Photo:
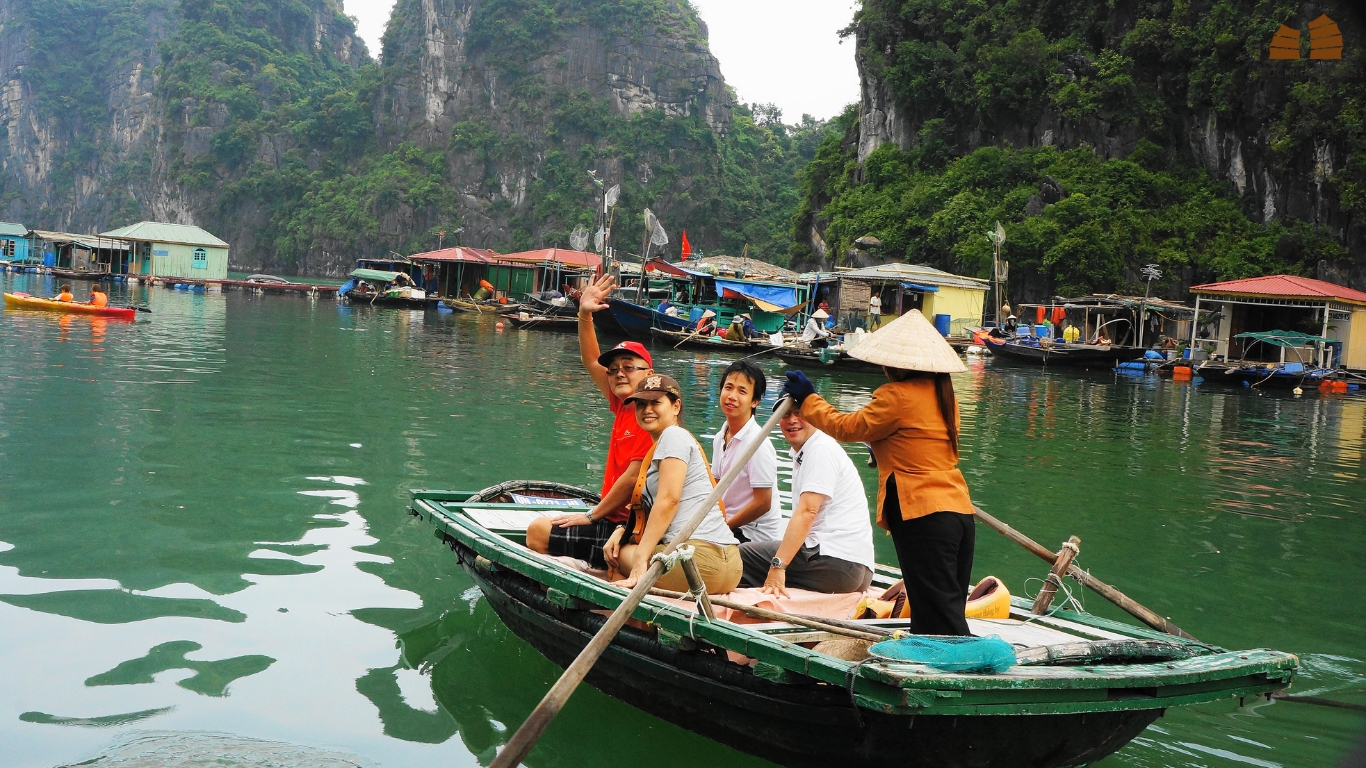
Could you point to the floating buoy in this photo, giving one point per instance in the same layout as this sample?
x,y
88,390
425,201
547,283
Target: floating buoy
x,y
1297,391
499,326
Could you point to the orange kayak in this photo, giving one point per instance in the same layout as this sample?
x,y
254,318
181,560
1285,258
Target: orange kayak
x,y
34,302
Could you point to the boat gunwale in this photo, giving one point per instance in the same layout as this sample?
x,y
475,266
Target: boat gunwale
x,y
899,686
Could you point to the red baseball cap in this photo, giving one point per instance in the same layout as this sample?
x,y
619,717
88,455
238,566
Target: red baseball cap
x,y
625,348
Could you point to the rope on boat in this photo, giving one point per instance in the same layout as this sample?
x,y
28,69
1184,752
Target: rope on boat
x,y
1070,599
850,677
684,552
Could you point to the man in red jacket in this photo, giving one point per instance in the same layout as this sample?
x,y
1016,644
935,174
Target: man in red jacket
x,y
616,372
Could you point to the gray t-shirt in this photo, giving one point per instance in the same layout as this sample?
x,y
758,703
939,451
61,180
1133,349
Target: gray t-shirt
x,y
677,443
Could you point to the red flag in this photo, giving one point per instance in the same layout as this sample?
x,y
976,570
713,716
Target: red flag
x,y
687,249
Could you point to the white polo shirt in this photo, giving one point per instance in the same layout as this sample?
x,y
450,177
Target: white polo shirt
x,y
760,472
843,527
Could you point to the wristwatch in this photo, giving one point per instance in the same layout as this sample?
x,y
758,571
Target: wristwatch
x,y
777,563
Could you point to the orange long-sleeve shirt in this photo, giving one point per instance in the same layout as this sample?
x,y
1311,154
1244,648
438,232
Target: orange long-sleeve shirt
x,y
908,436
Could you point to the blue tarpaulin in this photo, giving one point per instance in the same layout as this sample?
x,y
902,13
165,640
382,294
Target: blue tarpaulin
x,y
779,297
925,288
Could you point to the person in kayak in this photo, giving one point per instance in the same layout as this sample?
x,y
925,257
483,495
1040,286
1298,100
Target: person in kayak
x,y
751,504
65,294
98,298
922,499
673,484
616,373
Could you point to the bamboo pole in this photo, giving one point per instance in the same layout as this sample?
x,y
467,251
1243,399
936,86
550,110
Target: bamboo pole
x,y
833,626
540,718
1106,591
1070,549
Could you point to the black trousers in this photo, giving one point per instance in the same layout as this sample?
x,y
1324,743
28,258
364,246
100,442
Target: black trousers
x,y
935,554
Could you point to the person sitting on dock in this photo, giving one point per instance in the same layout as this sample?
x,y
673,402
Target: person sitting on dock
x,y
828,545
815,327
98,298
912,426
65,294
752,510
674,483
616,373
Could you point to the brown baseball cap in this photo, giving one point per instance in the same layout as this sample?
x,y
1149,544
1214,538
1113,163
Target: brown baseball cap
x,y
654,387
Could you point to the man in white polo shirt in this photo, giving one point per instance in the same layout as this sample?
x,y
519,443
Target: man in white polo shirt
x,y
828,545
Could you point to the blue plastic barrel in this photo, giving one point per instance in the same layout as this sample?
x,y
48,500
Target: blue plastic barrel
x,y
942,323
1042,332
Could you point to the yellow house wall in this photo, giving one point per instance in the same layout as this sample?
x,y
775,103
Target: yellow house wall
x,y
175,260
962,305
1354,356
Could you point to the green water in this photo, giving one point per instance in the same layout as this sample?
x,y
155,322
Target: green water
x,y
202,532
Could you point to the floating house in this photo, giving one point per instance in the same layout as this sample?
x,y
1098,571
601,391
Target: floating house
x,y
456,272
692,292
70,252
952,301
13,242
172,250
1333,317
1126,320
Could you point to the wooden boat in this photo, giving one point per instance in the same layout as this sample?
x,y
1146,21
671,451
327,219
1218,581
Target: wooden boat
x,y
1061,353
541,322
538,306
687,340
812,359
26,301
480,307
638,321
1253,374
381,300
760,689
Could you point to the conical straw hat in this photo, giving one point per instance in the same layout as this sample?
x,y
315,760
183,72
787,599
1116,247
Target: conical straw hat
x,y
911,343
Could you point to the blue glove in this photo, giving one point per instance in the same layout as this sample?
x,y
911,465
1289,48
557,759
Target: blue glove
x,y
798,387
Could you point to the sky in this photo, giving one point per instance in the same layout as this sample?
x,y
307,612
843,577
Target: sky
x,y
785,52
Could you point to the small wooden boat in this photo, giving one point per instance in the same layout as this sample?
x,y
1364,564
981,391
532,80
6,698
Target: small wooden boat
x,y
539,306
812,359
762,689
25,301
1061,353
689,340
481,307
542,322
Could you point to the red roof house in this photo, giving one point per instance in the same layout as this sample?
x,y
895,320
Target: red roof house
x,y
1284,286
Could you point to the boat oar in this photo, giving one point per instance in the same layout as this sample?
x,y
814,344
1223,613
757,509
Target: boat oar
x,y
1149,617
540,718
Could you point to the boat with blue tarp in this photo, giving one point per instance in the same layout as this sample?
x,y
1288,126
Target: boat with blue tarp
x,y
677,298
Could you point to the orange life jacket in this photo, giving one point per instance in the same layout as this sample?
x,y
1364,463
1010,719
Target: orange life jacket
x,y
65,296
98,299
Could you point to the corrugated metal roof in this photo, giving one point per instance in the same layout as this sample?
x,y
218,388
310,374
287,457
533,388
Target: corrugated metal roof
x,y
11,229
475,255
85,241
915,273
1284,286
160,232
562,255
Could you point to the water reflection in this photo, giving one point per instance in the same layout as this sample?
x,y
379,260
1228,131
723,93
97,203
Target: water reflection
x,y
212,498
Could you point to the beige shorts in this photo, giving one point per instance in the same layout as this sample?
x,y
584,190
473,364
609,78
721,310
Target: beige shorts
x,y
721,568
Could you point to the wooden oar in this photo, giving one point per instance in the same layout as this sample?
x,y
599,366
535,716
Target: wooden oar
x,y
1106,591
525,738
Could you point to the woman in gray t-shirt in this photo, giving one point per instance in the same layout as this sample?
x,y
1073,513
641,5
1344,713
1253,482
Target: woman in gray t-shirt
x,y
677,481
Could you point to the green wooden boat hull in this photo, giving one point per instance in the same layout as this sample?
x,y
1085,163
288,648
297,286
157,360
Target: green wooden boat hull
x,y
798,707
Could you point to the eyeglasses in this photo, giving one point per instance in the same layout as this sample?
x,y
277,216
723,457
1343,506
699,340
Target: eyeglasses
x,y
626,369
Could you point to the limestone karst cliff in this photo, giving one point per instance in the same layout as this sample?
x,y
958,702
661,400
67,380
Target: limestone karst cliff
x,y
1198,151
267,122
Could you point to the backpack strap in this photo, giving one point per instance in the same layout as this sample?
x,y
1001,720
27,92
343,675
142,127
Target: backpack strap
x,y
635,525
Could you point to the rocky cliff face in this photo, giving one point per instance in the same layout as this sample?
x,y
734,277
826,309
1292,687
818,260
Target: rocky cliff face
x,y
1286,137
460,71
92,137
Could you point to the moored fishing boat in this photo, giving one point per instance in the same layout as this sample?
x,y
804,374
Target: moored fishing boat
x,y
25,301
1061,353
541,322
824,359
1082,687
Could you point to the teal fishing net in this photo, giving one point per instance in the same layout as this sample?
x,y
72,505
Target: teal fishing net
x,y
988,655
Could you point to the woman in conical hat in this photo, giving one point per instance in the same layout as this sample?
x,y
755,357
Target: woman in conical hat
x,y
912,427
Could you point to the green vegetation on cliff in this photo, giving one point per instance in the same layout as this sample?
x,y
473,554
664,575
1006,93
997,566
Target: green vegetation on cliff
x,y
977,82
